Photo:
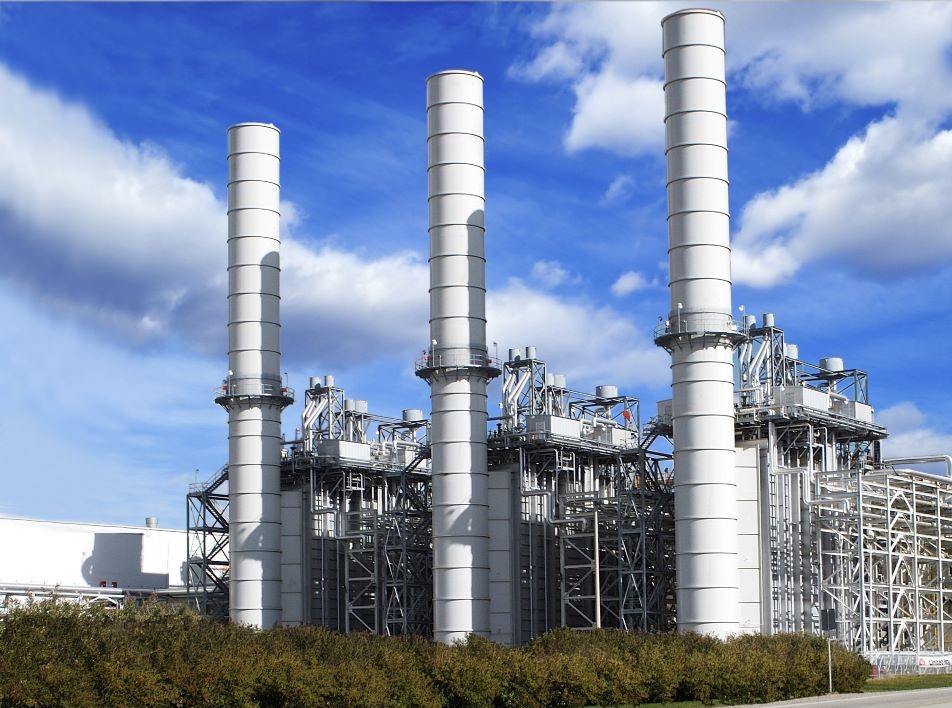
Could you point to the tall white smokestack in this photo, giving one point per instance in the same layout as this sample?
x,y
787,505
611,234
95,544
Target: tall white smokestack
x,y
457,365
701,333
252,393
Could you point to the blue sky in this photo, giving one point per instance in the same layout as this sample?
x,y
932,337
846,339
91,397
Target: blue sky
x,y
112,172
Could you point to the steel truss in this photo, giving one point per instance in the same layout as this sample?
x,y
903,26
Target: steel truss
x,y
371,567
887,560
616,550
595,532
207,526
370,553
846,534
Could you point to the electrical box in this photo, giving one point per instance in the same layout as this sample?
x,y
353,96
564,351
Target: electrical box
x,y
343,450
545,425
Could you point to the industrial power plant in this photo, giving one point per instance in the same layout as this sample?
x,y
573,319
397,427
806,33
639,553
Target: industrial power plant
x,y
755,500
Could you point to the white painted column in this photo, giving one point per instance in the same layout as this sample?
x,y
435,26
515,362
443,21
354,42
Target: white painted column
x,y
701,333
253,393
458,369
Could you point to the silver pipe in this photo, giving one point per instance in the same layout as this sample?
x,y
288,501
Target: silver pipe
x,y
253,393
703,334
925,459
457,365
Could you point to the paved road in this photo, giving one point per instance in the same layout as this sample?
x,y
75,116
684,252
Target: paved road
x,y
921,698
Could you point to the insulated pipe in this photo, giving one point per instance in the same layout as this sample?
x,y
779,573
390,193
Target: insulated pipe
x,y
457,366
944,459
700,334
252,394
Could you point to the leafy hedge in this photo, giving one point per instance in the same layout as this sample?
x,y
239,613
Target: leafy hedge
x,y
57,654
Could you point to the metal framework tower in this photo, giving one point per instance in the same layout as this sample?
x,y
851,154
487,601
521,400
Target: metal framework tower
x,y
208,558
368,519
590,519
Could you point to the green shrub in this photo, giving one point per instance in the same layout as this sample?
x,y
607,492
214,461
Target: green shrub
x,y
57,654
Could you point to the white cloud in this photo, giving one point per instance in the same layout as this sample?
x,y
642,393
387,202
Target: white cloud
x,y
863,54
602,100
628,282
591,344
619,190
902,417
886,184
551,274
115,234
910,433
97,224
885,187
339,304
139,248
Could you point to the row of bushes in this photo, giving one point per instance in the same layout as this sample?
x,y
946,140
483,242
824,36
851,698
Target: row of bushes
x,y
56,654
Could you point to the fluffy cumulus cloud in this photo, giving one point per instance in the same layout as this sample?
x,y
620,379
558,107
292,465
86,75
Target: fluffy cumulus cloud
x,y
609,55
885,184
115,235
776,49
551,274
344,305
591,344
96,225
910,433
880,205
628,282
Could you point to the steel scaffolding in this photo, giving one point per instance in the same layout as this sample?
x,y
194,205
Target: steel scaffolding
x,y
846,533
595,527
886,556
369,542
207,526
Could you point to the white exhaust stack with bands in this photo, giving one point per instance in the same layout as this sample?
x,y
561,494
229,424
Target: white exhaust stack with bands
x,y
253,394
457,365
700,332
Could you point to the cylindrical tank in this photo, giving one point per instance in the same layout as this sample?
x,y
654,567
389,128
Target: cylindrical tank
x,y
411,415
701,357
328,381
530,352
360,406
606,391
151,522
832,363
515,354
349,404
559,380
255,400
769,320
314,382
458,324
750,321
791,351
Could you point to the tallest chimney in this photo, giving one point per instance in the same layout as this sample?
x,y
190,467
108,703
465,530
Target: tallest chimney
x,y
252,393
700,333
457,365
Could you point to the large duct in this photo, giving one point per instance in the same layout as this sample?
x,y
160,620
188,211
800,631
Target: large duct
x,y
457,365
252,394
700,332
